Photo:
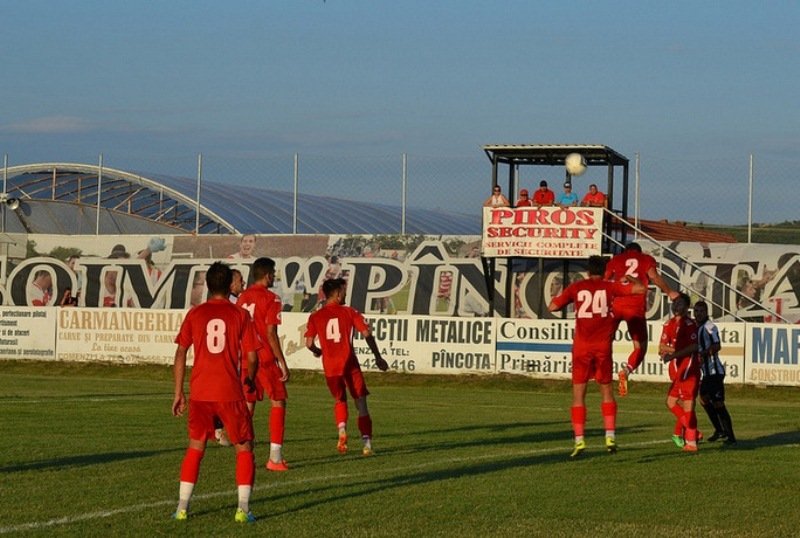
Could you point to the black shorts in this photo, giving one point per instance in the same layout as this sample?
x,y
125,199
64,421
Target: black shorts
x,y
712,388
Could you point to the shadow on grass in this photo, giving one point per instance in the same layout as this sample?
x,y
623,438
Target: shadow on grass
x,y
85,460
342,491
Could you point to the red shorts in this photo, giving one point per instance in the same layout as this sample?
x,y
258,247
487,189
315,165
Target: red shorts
x,y
636,322
592,364
234,416
685,389
352,380
268,380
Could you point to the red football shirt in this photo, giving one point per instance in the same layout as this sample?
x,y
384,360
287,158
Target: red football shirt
x,y
333,324
544,197
221,334
679,333
265,308
594,320
635,264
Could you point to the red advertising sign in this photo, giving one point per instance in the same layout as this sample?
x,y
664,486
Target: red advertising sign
x,y
545,232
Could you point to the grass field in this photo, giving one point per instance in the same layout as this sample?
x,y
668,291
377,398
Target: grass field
x,y
92,450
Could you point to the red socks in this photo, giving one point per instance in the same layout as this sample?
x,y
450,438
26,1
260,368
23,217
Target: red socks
x,y
578,419
340,413
245,468
190,468
609,411
365,426
277,424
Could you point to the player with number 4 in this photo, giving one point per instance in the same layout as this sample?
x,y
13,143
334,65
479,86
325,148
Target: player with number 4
x,y
334,324
633,308
591,346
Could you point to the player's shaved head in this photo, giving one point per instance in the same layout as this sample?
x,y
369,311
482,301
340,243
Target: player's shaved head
x,y
634,246
218,278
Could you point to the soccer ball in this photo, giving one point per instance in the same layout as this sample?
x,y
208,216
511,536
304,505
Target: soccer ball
x,y
575,164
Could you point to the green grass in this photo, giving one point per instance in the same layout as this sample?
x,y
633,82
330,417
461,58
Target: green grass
x,y
92,450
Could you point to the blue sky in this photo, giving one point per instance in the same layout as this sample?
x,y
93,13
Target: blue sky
x,y
693,87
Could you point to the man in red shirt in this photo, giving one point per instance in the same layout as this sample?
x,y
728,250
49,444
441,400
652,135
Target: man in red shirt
x,y
334,324
543,196
591,348
678,346
633,308
594,198
265,308
220,333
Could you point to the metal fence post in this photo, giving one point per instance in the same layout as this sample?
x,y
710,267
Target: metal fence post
x,y
750,204
294,198
99,193
197,201
404,195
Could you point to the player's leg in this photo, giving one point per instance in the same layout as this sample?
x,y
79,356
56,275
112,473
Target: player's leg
x,y
276,390
239,425
677,410
722,412
608,408
358,390
578,417
637,329
707,402
201,427
338,390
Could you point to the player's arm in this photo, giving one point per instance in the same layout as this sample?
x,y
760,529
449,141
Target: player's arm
x,y
637,286
179,373
275,345
251,358
312,347
380,362
659,281
678,353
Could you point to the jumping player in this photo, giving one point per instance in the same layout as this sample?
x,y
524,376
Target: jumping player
x,y
591,348
678,347
334,324
633,308
220,333
265,308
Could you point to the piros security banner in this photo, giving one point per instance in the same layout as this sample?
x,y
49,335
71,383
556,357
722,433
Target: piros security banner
x,y
545,232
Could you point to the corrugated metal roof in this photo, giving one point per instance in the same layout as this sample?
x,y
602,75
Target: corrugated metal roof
x,y
62,198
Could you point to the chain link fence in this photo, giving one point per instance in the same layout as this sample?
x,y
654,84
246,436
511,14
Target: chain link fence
x,y
714,192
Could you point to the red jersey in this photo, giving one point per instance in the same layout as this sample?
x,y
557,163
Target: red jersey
x,y
635,264
594,320
265,308
597,199
544,197
221,334
680,332
334,325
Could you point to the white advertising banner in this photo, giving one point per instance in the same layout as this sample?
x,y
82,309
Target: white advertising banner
x,y
772,354
28,333
543,349
544,232
125,335
410,344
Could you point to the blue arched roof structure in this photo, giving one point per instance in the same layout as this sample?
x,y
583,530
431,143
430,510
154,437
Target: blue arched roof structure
x,y
63,198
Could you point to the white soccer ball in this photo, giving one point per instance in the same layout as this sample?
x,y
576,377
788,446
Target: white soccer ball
x,y
575,164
